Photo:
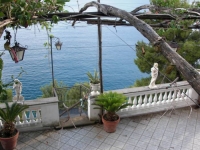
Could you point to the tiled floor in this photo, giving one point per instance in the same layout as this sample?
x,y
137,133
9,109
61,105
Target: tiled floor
x,y
173,131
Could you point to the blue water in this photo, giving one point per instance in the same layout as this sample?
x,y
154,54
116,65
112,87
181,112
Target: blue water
x,y
79,55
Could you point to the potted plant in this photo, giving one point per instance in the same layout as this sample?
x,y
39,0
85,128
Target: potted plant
x,y
94,82
9,134
111,102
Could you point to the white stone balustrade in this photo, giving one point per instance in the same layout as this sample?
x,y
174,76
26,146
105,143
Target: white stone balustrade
x,y
42,113
145,100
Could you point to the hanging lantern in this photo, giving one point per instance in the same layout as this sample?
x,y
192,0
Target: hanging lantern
x,y
17,52
58,45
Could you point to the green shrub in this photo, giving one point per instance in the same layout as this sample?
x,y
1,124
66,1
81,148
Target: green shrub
x,y
67,95
6,96
47,90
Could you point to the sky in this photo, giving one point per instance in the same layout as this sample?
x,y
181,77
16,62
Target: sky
x,y
128,5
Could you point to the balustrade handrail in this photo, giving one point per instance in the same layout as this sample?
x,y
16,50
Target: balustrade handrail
x,y
37,102
147,90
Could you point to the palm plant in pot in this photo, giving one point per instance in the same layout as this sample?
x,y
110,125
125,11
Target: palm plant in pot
x,y
94,82
111,102
9,134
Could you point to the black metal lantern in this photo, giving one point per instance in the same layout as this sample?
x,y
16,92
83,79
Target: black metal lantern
x,y
58,45
17,52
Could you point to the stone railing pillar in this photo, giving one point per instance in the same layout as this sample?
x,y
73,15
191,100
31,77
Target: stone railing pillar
x,y
50,115
93,114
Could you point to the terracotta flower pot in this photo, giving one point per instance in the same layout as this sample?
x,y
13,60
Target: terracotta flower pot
x,y
9,143
110,126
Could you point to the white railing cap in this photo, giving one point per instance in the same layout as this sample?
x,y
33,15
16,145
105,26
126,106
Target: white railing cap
x,y
147,89
40,101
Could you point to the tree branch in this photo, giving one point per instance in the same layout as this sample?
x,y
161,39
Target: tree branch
x,y
140,25
190,73
6,22
142,7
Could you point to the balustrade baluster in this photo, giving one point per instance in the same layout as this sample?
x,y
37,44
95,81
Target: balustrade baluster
x,y
164,97
31,117
155,99
38,116
178,95
140,101
145,100
174,95
134,102
160,98
24,118
169,96
183,94
150,100
17,119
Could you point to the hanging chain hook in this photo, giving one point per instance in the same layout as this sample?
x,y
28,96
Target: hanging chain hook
x,y
15,34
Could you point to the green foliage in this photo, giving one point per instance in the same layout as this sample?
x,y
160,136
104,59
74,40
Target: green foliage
x,y
6,95
24,11
188,46
111,102
142,82
152,54
170,3
47,90
76,91
94,79
11,112
8,115
67,95
71,95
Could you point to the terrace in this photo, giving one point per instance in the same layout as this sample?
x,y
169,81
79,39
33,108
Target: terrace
x,y
159,119
173,131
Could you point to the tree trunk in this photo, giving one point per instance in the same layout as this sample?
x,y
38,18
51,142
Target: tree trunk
x,y
190,73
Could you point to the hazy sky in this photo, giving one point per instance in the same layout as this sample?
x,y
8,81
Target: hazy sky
x,y
127,5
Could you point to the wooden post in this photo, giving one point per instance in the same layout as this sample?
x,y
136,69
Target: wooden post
x,y
100,61
100,52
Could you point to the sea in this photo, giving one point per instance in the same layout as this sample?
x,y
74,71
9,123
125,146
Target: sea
x,y
79,53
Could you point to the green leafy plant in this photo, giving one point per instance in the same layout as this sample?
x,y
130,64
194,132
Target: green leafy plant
x,y
8,115
111,102
94,79
5,91
66,94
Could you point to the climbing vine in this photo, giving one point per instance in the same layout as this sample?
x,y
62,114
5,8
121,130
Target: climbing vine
x,y
26,12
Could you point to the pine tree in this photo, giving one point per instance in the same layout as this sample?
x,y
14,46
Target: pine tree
x,y
188,41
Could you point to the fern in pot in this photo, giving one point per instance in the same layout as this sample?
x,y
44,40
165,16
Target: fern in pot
x,y
94,82
111,102
9,134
